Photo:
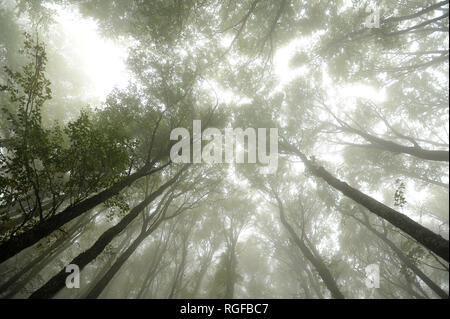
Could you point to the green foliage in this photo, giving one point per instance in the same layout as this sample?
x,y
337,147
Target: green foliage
x,y
414,252
41,168
399,196
186,59
117,205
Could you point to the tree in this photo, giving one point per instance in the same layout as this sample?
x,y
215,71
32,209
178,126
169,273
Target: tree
x,y
361,111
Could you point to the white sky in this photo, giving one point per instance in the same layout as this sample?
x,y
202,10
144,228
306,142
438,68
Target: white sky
x,y
101,60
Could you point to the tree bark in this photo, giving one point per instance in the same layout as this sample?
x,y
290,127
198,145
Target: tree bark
x,y
106,277
421,234
318,264
40,262
393,147
433,286
16,244
57,282
230,272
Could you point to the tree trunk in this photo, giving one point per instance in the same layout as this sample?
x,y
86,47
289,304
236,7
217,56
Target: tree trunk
x,y
230,272
106,277
155,264
57,282
433,286
426,237
379,143
41,261
318,264
16,244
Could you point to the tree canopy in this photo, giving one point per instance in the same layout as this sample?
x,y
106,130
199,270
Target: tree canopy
x,y
360,112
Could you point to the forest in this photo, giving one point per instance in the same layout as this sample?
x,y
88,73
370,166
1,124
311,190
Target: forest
x,y
224,149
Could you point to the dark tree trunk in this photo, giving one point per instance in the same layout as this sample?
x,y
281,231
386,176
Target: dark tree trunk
x,y
106,277
32,236
41,261
426,237
379,143
57,282
433,286
112,271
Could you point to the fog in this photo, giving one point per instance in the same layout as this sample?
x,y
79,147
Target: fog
x,y
251,149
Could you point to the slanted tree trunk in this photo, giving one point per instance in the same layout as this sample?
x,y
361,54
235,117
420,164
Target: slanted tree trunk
x,y
106,277
16,244
41,261
316,261
155,265
57,282
433,286
112,271
120,249
416,151
421,234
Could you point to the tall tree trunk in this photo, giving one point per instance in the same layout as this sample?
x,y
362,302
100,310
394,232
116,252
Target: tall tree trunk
x,y
155,263
41,261
433,286
416,151
179,271
109,261
16,244
426,237
318,264
230,272
202,272
46,254
106,277
57,282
